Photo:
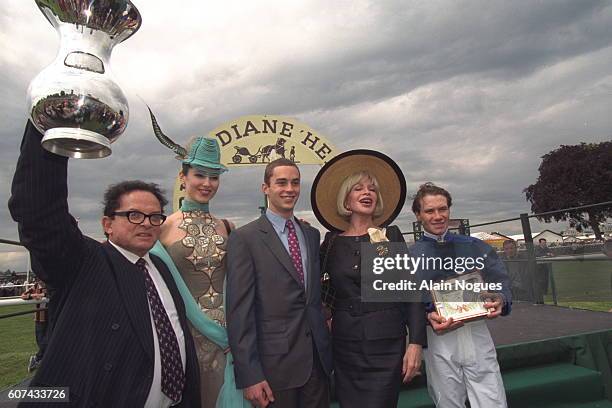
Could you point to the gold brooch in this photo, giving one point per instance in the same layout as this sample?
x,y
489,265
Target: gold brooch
x,y
382,250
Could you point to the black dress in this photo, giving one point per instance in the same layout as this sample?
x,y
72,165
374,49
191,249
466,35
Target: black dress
x,y
369,339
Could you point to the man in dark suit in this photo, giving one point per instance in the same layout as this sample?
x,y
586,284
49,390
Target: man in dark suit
x,y
276,327
120,338
543,270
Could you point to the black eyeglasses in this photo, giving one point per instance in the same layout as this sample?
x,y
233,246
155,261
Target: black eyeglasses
x,y
137,217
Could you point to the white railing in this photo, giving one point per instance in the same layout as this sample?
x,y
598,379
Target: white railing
x,y
16,300
16,286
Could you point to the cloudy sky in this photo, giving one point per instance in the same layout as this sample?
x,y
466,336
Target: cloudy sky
x,y
466,94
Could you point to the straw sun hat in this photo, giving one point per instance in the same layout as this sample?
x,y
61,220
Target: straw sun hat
x,y
324,193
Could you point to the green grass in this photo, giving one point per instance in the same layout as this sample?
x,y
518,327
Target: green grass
x,y
17,343
583,285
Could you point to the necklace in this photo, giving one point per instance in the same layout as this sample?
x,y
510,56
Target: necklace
x,y
188,205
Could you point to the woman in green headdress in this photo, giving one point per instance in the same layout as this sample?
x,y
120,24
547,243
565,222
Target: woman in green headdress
x,y
193,243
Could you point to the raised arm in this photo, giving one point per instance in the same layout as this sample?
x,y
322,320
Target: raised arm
x,y
39,204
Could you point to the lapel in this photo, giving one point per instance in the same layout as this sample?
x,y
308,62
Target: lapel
x,y
171,285
273,242
179,304
309,253
130,283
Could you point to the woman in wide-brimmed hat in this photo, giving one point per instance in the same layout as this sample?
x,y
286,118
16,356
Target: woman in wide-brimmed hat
x,y
193,243
355,196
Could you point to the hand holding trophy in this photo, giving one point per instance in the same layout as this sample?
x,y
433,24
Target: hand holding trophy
x,y
74,101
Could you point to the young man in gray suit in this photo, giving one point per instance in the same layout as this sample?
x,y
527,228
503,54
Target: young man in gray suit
x,y
276,328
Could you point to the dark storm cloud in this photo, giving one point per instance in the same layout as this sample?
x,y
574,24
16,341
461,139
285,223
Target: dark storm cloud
x,y
407,46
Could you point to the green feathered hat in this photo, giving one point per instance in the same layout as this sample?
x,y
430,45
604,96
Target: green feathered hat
x,y
204,152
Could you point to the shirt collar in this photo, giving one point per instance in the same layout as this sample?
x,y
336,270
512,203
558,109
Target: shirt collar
x,y
132,257
438,238
278,222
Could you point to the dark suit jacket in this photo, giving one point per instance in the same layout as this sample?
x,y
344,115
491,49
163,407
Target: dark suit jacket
x,y
272,322
102,343
387,323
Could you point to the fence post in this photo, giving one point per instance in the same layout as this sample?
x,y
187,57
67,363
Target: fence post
x,y
535,294
264,205
553,286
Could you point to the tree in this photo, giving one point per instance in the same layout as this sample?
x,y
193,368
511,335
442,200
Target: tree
x,y
574,176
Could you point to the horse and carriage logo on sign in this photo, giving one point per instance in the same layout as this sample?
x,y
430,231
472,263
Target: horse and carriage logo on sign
x,y
264,152
256,140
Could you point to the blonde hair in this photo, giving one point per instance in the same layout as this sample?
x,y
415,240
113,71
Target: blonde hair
x,y
346,187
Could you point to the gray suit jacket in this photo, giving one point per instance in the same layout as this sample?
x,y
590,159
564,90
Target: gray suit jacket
x,y
271,321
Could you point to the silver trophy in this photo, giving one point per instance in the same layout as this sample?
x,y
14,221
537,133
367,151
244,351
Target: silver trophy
x,y
74,101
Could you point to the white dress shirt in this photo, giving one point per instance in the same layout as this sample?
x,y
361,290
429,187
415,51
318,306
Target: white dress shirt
x,y
156,398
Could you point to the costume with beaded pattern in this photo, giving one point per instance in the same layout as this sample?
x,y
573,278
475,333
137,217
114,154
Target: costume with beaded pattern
x,y
200,258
